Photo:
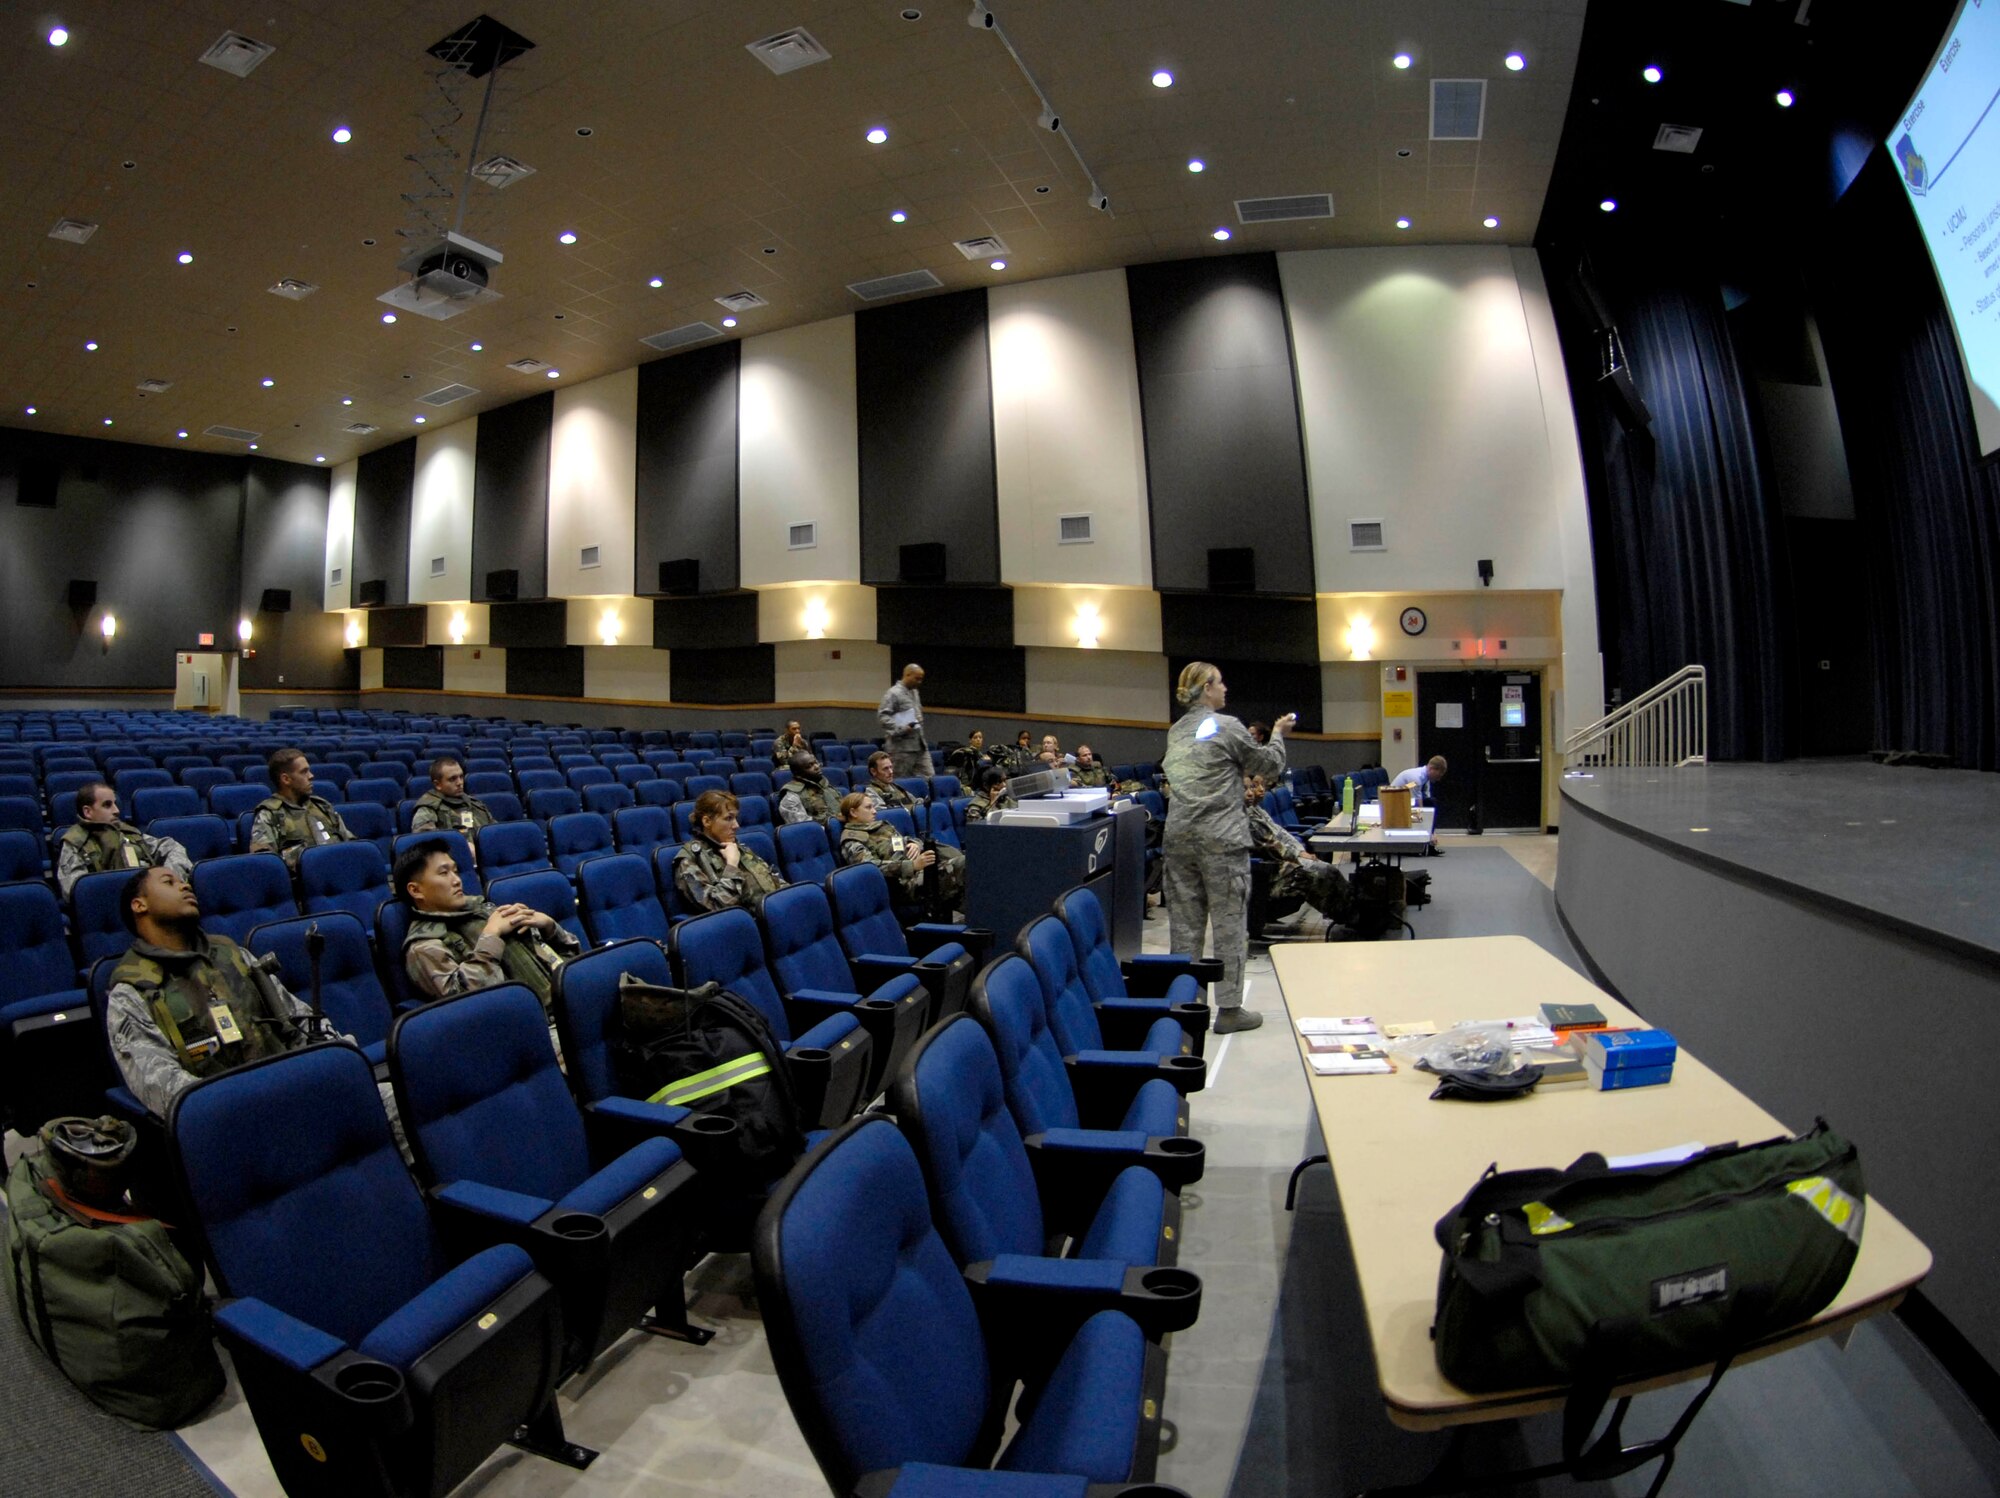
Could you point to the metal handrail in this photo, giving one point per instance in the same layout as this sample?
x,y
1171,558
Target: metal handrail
x,y
1664,726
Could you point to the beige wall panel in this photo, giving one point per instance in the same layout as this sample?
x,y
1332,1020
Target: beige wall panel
x,y
1124,619
807,672
799,456
593,478
475,668
441,513
339,537
837,611
627,673
1350,697
632,618
371,666
1100,685
1368,626
475,620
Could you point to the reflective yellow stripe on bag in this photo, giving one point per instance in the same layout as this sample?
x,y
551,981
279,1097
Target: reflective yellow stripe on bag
x,y
715,1079
1835,1205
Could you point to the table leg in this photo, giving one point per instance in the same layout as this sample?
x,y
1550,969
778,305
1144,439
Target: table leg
x,y
1292,1186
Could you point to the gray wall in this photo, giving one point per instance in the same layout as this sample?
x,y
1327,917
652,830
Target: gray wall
x,y
284,546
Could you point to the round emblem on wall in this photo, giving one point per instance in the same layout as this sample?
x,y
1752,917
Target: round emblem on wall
x,y
1415,621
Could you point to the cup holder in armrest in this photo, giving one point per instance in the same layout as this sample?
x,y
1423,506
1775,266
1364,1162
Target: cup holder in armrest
x,y
577,1227
877,1006
812,1055
715,1125
1179,1145
1184,1063
1176,1160
368,1383
1170,1284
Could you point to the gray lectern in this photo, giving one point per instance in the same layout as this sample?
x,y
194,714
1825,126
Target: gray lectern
x,y
1013,873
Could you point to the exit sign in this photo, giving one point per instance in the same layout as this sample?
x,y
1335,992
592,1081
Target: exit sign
x,y
204,639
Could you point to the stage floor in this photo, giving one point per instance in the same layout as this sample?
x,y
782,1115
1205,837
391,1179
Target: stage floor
x,y
1918,850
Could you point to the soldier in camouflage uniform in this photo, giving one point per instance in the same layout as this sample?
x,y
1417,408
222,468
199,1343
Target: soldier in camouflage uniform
x,y
100,840
806,797
990,797
970,758
905,741
1301,872
713,871
883,791
294,819
792,741
446,807
456,944
1087,771
865,838
1020,757
1206,845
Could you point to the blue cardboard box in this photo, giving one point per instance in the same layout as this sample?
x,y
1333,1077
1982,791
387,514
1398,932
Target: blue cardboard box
x,y
1621,1050
1619,1078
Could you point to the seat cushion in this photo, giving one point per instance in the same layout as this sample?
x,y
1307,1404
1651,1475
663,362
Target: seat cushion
x,y
623,1177
1086,1416
1127,1226
448,1303
1156,1110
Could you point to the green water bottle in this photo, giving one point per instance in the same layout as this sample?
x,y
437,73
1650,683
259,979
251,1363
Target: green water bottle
x,y
1347,797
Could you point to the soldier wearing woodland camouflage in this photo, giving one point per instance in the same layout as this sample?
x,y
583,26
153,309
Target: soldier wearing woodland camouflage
x,y
456,944
1300,871
294,819
445,806
991,796
1206,845
792,741
865,838
1088,771
102,840
806,797
713,871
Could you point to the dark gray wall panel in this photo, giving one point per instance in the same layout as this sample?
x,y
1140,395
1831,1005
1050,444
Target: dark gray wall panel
x,y
1197,627
745,673
555,671
543,625
156,529
384,481
705,623
972,678
924,391
510,495
414,670
686,503
284,546
979,617
1258,690
1225,465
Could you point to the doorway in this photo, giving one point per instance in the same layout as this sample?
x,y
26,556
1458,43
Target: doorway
x,y
1488,727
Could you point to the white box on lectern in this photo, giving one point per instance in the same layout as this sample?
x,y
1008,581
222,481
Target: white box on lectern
x,y
1055,811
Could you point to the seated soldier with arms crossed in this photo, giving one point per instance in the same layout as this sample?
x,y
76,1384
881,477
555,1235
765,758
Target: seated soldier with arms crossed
x,y
456,944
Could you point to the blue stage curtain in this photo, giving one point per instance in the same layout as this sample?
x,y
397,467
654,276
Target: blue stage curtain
x,y
1684,526
1929,505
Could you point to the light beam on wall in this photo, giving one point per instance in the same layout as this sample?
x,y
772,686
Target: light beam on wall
x,y
354,634
609,627
1088,626
815,619
457,628
1360,638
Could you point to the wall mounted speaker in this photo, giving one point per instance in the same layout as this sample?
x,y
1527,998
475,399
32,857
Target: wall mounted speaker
x,y
372,594
921,563
1232,569
276,601
503,586
82,594
1485,572
681,576
40,477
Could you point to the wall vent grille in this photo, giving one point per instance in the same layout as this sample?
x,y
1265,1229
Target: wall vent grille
x,y
1073,530
502,171
74,230
437,566
237,54
444,395
527,366
788,51
335,576
1284,210
360,428
293,290
234,434
156,387
1365,535
1680,138
681,337
884,287
981,247
802,537
588,557
742,301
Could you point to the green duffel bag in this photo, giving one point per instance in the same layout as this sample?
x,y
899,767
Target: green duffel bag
x,y
113,1304
1591,1276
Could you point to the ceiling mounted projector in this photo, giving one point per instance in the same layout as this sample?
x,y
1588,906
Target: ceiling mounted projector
x,y
447,277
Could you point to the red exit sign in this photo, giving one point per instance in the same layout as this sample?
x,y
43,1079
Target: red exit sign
x,y
204,639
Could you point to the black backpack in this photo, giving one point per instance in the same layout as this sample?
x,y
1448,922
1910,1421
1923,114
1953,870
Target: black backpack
x,y
708,1050
1379,899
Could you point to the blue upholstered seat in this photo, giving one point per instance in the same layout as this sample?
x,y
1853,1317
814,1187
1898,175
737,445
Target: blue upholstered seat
x,y
350,990
813,975
618,899
243,891
1046,943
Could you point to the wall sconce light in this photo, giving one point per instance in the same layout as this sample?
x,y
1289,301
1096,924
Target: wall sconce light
x,y
1087,626
1360,639
244,630
608,627
815,618
457,628
354,634
108,627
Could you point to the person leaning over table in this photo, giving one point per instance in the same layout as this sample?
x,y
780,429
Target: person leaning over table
x,y
1419,779
1206,845
713,871
101,840
806,796
865,838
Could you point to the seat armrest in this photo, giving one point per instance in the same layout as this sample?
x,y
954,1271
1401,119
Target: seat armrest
x,y
352,1403
1108,1078
1148,975
615,1124
1071,1158
977,940
1126,1021
829,1066
873,969
925,1480
1056,1296
807,1007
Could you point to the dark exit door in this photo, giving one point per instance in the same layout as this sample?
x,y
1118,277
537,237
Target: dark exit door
x,y
1488,727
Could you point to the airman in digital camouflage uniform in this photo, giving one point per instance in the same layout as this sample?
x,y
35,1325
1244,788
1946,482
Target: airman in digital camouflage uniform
x,y
901,714
806,797
1206,845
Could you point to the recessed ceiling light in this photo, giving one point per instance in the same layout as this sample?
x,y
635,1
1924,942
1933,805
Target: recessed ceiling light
x,y
388,317
319,457
1163,79
107,421
478,348
566,237
268,383
877,135
1651,74
253,447
347,400
1609,205
1515,62
185,258
58,37
729,322
656,283
1220,234
1785,99
182,435
31,410
90,347
898,217
770,249
342,136
913,14
1400,60
1492,223
1197,165
999,265
421,420
554,374
1402,223
585,131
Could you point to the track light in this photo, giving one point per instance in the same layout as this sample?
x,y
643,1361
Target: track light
x,y
981,18
1049,120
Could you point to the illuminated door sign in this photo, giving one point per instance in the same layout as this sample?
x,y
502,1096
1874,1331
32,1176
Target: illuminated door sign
x,y
204,639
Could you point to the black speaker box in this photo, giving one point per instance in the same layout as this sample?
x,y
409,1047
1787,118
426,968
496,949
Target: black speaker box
x,y
921,563
82,594
681,577
372,594
1232,569
503,586
276,601
40,477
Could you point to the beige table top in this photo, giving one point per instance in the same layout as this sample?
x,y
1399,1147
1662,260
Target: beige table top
x,y
1401,1161
1372,839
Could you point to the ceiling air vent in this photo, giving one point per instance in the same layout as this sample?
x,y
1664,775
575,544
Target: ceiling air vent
x,y
1365,535
1284,210
293,290
788,51
156,387
681,337
984,247
742,301
360,428
1074,530
75,230
887,286
502,171
802,537
444,395
1458,108
237,54
234,434
527,366
1681,138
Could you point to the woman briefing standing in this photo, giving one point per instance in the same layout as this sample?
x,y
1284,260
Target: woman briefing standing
x,y
1207,841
